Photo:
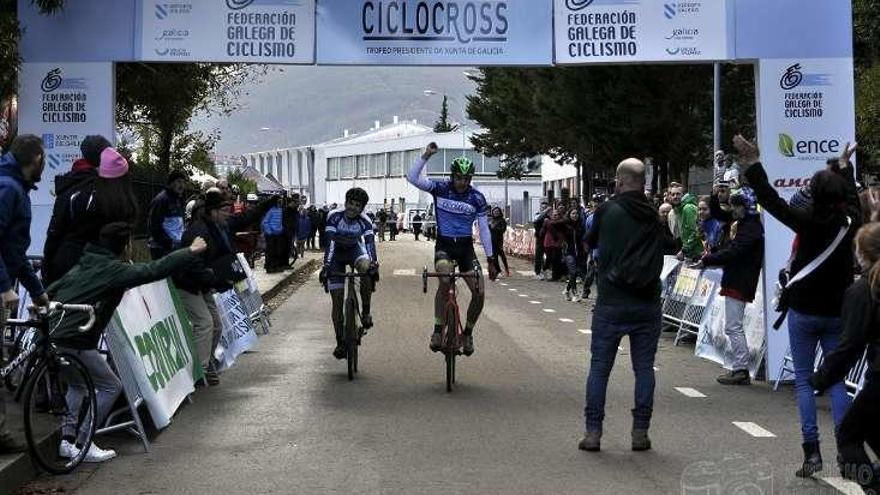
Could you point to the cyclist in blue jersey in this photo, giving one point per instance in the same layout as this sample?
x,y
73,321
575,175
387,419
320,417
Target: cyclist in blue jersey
x,y
458,205
350,241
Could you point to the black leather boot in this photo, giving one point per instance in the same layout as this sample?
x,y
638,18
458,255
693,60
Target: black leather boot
x,y
812,460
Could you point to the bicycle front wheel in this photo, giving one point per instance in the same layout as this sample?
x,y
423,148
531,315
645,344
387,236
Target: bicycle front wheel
x,y
351,336
45,409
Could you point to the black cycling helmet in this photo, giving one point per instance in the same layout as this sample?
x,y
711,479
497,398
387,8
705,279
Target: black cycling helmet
x,y
462,166
357,194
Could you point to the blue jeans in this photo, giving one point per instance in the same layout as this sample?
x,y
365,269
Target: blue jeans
x,y
805,332
610,323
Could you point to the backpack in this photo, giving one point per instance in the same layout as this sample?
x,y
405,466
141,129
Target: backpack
x,y
639,265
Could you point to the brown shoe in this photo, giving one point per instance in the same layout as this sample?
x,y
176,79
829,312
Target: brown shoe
x,y
591,441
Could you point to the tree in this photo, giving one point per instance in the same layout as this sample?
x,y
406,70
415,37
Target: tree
x,y
236,178
163,97
866,26
10,34
194,149
442,124
511,170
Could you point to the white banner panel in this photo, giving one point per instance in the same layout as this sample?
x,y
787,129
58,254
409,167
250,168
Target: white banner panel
x,y
62,103
237,334
593,31
163,356
805,116
435,32
272,31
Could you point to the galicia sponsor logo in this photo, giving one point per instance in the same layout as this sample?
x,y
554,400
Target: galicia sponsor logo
x,y
455,21
173,52
53,160
173,35
682,34
807,149
48,141
794,76
161,11
670,11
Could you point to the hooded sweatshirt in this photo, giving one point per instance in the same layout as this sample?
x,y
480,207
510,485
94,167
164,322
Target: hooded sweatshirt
x,y
15,228
74,222
614,224
690,229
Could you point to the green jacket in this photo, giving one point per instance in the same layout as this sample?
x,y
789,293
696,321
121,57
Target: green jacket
x,y
101,279
690,227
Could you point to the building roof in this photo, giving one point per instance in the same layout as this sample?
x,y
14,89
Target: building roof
x,y
263,183
388,132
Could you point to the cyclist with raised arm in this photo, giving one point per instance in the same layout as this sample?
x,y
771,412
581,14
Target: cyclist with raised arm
x,y
350,241
458,205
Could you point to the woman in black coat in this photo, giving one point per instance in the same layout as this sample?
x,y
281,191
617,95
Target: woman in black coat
x,y
498,227
861,330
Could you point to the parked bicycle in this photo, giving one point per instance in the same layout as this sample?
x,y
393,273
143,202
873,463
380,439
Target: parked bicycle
x,y
47,374
453,330
353,327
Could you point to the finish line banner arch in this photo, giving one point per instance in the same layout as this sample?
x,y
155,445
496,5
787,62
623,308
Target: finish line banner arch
x,y
802,53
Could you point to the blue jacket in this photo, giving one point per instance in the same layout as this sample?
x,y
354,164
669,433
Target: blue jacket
x,y
15,228
304,228
272,222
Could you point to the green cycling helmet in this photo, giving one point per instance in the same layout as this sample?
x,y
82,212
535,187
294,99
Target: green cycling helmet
x,y
462,166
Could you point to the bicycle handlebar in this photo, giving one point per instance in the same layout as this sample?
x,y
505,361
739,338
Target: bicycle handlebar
x,y
452,275
54,307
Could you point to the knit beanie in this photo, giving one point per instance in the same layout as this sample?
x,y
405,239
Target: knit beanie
x,y
91,148
113,165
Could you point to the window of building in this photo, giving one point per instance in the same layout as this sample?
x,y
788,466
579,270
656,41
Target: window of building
x,y
333,169
395,163
377,165
409,157
491,165
346,167
363,166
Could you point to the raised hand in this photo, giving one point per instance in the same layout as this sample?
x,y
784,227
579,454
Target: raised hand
x,y
747,150
847,153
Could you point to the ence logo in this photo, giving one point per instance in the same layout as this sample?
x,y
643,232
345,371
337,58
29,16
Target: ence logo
x,y
52,81
792,148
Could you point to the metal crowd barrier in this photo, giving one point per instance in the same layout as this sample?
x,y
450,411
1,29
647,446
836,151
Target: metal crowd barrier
x,y
854,380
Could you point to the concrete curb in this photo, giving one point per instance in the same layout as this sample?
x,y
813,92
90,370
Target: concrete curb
x,y
283,283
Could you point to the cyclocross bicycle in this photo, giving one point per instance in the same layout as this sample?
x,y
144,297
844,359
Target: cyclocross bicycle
x,y
353,330
452,330
47,373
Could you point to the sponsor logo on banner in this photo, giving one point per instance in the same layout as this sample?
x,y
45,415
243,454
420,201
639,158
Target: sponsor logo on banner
x,y
786,182
577,4
812,149
804,92
64,100
603,32
165,10
467,22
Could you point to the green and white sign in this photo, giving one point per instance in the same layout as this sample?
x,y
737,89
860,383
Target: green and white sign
x,y
161,350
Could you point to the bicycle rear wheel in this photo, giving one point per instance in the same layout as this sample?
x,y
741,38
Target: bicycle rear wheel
x,y
54,377
351,336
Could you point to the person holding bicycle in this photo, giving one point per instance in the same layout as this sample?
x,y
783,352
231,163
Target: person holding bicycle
x,y
100,279
458,205
20,169
350,241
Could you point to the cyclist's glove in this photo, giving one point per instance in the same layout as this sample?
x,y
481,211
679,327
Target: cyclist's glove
x,y
322,276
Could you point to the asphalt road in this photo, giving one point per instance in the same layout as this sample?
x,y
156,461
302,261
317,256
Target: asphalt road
x,y
287,420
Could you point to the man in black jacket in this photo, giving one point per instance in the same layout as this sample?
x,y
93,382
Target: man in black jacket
x,y
628,302
165,220
742,259
215,271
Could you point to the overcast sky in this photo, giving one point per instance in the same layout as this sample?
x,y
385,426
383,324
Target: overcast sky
x,y
308,105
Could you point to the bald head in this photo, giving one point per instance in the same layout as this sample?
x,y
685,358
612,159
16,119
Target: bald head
x,y
630,175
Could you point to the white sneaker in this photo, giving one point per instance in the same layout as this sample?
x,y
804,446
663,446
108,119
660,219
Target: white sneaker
x,y
67,450
97,454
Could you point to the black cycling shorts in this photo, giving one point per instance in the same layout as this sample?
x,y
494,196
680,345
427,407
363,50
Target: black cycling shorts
x,y
457,249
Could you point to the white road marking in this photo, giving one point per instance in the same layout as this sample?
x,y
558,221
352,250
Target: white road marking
x,y
548,310
503,284
512,290
406,273
690,392
585,331
524,295
534,302
842,485
566,320
753,429
525,273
